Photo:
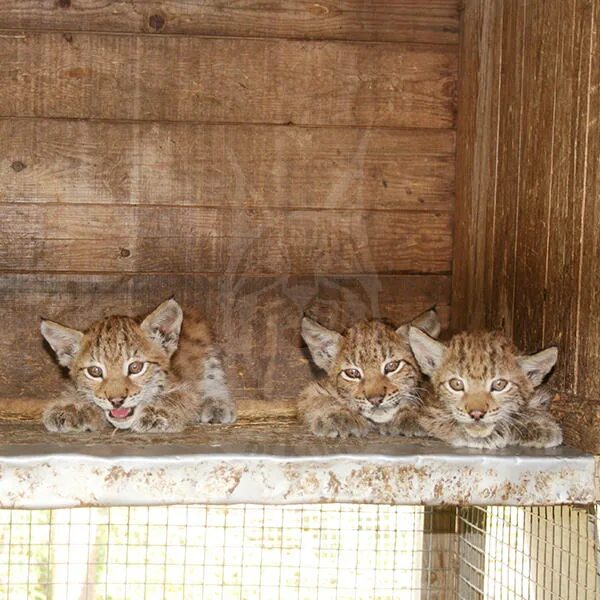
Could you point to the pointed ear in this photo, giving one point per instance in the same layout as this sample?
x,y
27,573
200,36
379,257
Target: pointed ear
x,y
537,366
163,325
64,341
323,343
428,322
428,352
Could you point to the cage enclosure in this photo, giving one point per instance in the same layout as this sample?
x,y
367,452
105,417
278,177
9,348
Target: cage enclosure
x,y
260,161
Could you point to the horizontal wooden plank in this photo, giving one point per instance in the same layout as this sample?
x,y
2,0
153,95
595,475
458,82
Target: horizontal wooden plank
x,y
181,78
47,160
377,20
103,238
255,318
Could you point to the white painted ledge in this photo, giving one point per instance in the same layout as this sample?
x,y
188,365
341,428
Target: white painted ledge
x,y
276,464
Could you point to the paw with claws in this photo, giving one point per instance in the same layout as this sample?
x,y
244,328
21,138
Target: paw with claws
x,y
68,418
405,423
544,433
154,419
340,424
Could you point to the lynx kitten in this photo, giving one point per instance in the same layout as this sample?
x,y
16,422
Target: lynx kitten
x,y
151,376
483,393
371,379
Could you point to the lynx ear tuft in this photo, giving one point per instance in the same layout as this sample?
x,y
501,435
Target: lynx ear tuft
x,y
428,352
163,325
63,340
428,322
538,365
323,343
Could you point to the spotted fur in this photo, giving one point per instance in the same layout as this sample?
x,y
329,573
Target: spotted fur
x,y
181,381
386,402
483,393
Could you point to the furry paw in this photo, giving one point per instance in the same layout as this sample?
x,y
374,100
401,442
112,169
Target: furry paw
x,y
541,435
154,419
341,424
66,418
403,424
216,411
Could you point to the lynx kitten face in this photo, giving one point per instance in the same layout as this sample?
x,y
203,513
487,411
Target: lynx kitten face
x,y
483,388
125,369
371,374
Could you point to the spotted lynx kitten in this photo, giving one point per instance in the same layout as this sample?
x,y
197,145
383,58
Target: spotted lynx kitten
x,y
483,393
151,376
371,379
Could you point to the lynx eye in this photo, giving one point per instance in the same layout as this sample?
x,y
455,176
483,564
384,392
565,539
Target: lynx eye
x,y
136,367
393,366
351,374
499,384
94,372
456,385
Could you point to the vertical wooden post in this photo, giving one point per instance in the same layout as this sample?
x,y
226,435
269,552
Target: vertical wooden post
x,y
439,566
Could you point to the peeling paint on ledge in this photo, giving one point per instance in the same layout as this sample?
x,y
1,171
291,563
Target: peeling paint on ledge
x,y
73,479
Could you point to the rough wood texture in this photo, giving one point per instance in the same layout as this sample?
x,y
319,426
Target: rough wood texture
x,y
580,420
377,20
46,237
184,78
256,319
440,559
530,258
255,159
242,166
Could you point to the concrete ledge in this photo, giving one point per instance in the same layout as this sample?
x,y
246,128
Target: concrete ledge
x,y
276,463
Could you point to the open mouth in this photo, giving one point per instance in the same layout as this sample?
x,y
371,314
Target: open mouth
x,y
121,413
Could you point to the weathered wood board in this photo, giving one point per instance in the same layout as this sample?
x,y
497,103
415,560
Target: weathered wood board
x,y
47,237
529,262
186,78
433,21
256,160
242,166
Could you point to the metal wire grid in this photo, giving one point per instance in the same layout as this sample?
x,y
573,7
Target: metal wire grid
x,y
531,553
316,552
213,552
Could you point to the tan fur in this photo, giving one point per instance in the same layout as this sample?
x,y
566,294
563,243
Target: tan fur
x,y
335,406
183,381
480,416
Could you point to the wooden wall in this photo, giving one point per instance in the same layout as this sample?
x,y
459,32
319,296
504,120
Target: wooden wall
x,y
528,183
254,161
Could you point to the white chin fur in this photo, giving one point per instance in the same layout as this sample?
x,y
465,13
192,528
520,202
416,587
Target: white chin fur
x,y
381,416
480,431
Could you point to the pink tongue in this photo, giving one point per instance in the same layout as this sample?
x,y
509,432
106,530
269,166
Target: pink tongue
x,y
120,413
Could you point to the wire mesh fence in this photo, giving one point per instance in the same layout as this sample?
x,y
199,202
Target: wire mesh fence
x,y
296,552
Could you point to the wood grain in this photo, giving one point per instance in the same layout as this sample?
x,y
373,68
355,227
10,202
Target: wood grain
x,y
567,198
181,78
243,166
440,561
255,318
588,339
477,158
164,239
433,21
540,57
543,217
580,421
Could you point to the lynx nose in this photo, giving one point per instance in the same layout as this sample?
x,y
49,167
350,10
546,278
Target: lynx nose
x,y
116,402
477,415
376,400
